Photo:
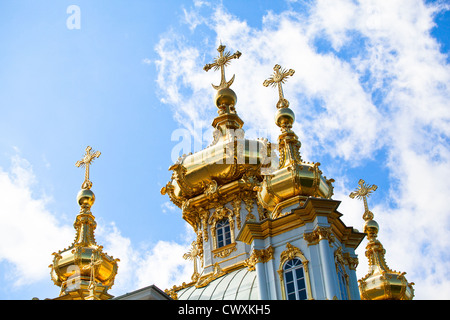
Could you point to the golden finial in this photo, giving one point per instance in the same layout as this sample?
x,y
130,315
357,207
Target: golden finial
x,y
221,62
381,282
277,79
363,192
284,117
86,162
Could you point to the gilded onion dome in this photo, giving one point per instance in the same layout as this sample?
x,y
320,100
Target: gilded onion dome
x,y
381,282
294,179
83,270
228,158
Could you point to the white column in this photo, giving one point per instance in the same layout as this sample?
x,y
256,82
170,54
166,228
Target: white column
x,y
262,281
328,269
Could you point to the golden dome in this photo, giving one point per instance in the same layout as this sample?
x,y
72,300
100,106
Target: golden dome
x,y
294,180
83,270
75,268
228,158
380,283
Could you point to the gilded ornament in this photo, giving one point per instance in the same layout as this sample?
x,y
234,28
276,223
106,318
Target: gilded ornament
x,y
294,178
381,282
217,272
290,253
278,78
224,252
221,62
320,233
87,160
193,255
363,192
259,256
83,270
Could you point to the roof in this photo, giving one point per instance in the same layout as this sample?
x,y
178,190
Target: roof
x,y
148,293
240,284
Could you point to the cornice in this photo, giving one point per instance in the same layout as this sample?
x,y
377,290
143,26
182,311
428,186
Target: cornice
x,y
312,208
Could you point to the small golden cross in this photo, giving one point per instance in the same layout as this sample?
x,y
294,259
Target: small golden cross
x,y
193,255
277,79
91,267
86,162
221,62
363,192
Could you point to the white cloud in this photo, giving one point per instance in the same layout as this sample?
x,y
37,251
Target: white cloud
x,y
146,61
382,84
168,206
161,264
30,232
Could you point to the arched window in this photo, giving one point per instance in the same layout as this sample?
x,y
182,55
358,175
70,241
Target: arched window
x,y
294,280
223,233
342,283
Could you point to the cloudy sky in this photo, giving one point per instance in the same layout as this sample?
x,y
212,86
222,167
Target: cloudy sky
x,y
371,94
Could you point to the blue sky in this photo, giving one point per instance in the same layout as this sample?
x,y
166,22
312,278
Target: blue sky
x,y
371,96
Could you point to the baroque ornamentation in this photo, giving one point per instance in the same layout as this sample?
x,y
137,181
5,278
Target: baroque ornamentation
x,y
203,215
257,256
225,251
352,262
236,203
290,253
217,272
320,233
195,254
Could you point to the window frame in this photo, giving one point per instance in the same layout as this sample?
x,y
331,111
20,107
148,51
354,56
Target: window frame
x,y
300,293
224,228
290,253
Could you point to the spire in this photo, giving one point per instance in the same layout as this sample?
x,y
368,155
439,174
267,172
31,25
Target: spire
x,y
225,98
289,145
380,283
83,270
294,180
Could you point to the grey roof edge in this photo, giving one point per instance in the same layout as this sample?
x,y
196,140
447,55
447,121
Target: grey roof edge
x,y
150,288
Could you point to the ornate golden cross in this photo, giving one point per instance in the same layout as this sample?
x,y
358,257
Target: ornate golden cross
x,y
221,62
86,162
363,192
193,255
277,79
